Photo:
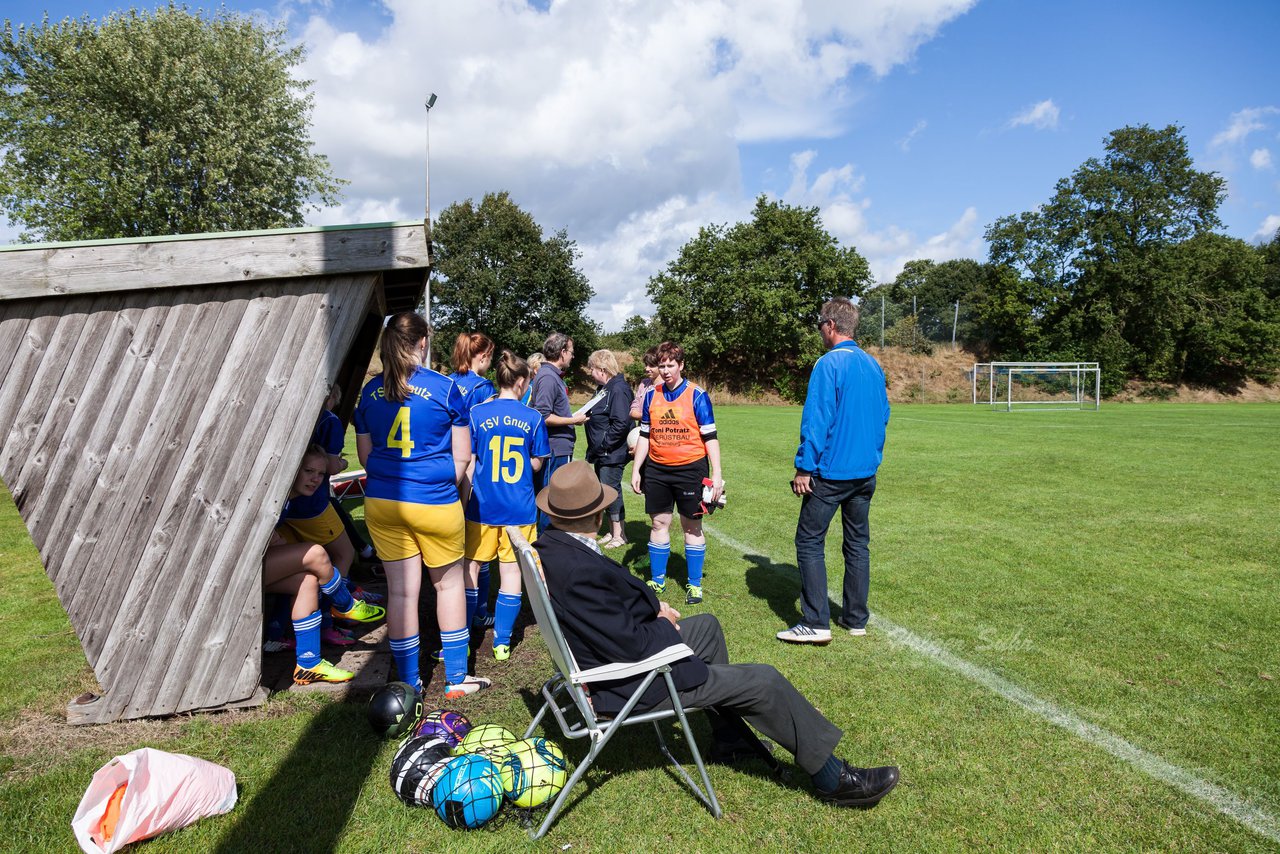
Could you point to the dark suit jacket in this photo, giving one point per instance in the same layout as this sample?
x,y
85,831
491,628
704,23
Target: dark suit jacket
x,y
608,615
608,424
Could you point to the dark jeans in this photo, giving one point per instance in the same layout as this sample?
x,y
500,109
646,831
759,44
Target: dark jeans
x,y
612,476
549,467
853,499
757,693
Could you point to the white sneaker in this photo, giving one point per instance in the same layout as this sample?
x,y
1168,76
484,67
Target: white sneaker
x,y
857,633
800,633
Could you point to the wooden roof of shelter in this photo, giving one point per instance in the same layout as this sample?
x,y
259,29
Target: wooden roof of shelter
x,y
155,398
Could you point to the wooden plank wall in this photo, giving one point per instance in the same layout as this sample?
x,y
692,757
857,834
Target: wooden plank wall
x,y
94,267
149,439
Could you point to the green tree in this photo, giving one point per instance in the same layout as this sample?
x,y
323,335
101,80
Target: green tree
x,y
495,273
931,290
165,122
743,299
1090,253
1270,255
1224,329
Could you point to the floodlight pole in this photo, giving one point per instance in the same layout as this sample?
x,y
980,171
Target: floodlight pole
x,y
429,103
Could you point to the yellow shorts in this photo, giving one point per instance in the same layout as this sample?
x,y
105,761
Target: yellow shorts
x,y
322,529
484,542
401,530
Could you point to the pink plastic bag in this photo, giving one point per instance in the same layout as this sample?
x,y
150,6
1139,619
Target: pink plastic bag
x,y
148,792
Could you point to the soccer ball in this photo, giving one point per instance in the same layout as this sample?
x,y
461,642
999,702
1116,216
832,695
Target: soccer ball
x,y
485,735
416,767
633,439
451,726
539,771
507,763
393,709
468,792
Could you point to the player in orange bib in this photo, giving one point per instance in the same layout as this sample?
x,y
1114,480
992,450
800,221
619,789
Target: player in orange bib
x,y
678,448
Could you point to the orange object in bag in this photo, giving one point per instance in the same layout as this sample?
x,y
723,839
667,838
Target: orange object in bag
x,y
106,827
148,792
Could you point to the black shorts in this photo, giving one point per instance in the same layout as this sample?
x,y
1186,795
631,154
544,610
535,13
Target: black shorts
x,y
681,486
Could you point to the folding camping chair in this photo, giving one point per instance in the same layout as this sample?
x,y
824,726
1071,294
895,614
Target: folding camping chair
x,y
565,696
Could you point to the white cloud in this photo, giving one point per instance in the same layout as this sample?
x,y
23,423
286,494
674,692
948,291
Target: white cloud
x,y
1041,116
1268,228
889,248
643,244
1260,158
905,143
1242,123
619,121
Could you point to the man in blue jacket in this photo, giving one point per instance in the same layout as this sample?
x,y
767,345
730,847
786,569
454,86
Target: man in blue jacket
x,y
841,445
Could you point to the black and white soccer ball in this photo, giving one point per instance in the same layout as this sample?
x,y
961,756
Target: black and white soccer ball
x,y
417,766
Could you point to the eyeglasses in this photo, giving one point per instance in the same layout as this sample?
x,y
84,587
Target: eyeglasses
x,y
823,321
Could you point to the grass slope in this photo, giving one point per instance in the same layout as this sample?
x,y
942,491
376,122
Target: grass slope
x,y
1119,565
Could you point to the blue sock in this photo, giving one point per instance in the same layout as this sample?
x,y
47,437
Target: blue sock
x,y
828,778
326,611
473,599
658,554
306,637
504,617
453,649
482,606
694,557
405,653
336,589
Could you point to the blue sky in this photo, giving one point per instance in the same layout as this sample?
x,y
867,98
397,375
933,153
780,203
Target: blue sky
x,y
912,124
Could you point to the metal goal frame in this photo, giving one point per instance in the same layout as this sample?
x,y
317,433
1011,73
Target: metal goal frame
x,y
1078,372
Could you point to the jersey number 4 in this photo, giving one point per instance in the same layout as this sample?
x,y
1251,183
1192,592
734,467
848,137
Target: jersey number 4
x,y
506,449
399,436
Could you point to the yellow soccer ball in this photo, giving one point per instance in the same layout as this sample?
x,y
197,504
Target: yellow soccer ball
x,y
538,770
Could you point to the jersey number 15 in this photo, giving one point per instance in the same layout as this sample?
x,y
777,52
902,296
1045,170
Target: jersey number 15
x,y
506,450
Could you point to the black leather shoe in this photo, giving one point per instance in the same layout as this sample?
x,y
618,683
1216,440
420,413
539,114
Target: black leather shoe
x,y
862,787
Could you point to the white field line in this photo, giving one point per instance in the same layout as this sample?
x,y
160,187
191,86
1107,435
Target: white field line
x,y
1226,802
1160,425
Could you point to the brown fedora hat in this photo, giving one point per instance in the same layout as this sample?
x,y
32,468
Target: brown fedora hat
x,y
575,492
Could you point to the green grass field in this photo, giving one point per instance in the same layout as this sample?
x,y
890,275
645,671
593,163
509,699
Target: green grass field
x,y
1073,647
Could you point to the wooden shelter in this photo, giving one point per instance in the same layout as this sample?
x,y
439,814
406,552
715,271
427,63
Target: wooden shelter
x,y
155,398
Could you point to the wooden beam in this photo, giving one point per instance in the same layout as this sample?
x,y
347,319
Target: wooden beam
x,y
110,266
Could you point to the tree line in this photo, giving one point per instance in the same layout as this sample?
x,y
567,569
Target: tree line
x,y
1123,265
175,121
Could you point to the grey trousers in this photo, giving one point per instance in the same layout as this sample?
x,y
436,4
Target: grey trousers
x,y
759,694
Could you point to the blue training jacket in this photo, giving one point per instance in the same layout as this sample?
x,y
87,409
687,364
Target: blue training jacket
x,y
845,414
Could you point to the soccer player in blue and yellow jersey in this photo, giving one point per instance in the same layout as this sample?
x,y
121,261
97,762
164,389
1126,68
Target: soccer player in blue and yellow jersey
x,y
508,444
472,356
304,571
677,442
313,519
413,441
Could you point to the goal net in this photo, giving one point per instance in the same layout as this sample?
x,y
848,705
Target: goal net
x,y
1037,385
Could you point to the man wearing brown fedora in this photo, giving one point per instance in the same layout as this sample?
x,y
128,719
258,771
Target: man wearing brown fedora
x,y
608,615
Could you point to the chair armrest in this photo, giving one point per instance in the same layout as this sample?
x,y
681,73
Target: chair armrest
x,y
625,669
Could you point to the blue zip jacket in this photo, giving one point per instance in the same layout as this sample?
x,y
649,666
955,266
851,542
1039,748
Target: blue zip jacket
x,y
845,413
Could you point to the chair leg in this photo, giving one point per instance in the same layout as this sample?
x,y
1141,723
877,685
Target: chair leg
x,y
560,800
598,740
537,719
707,794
